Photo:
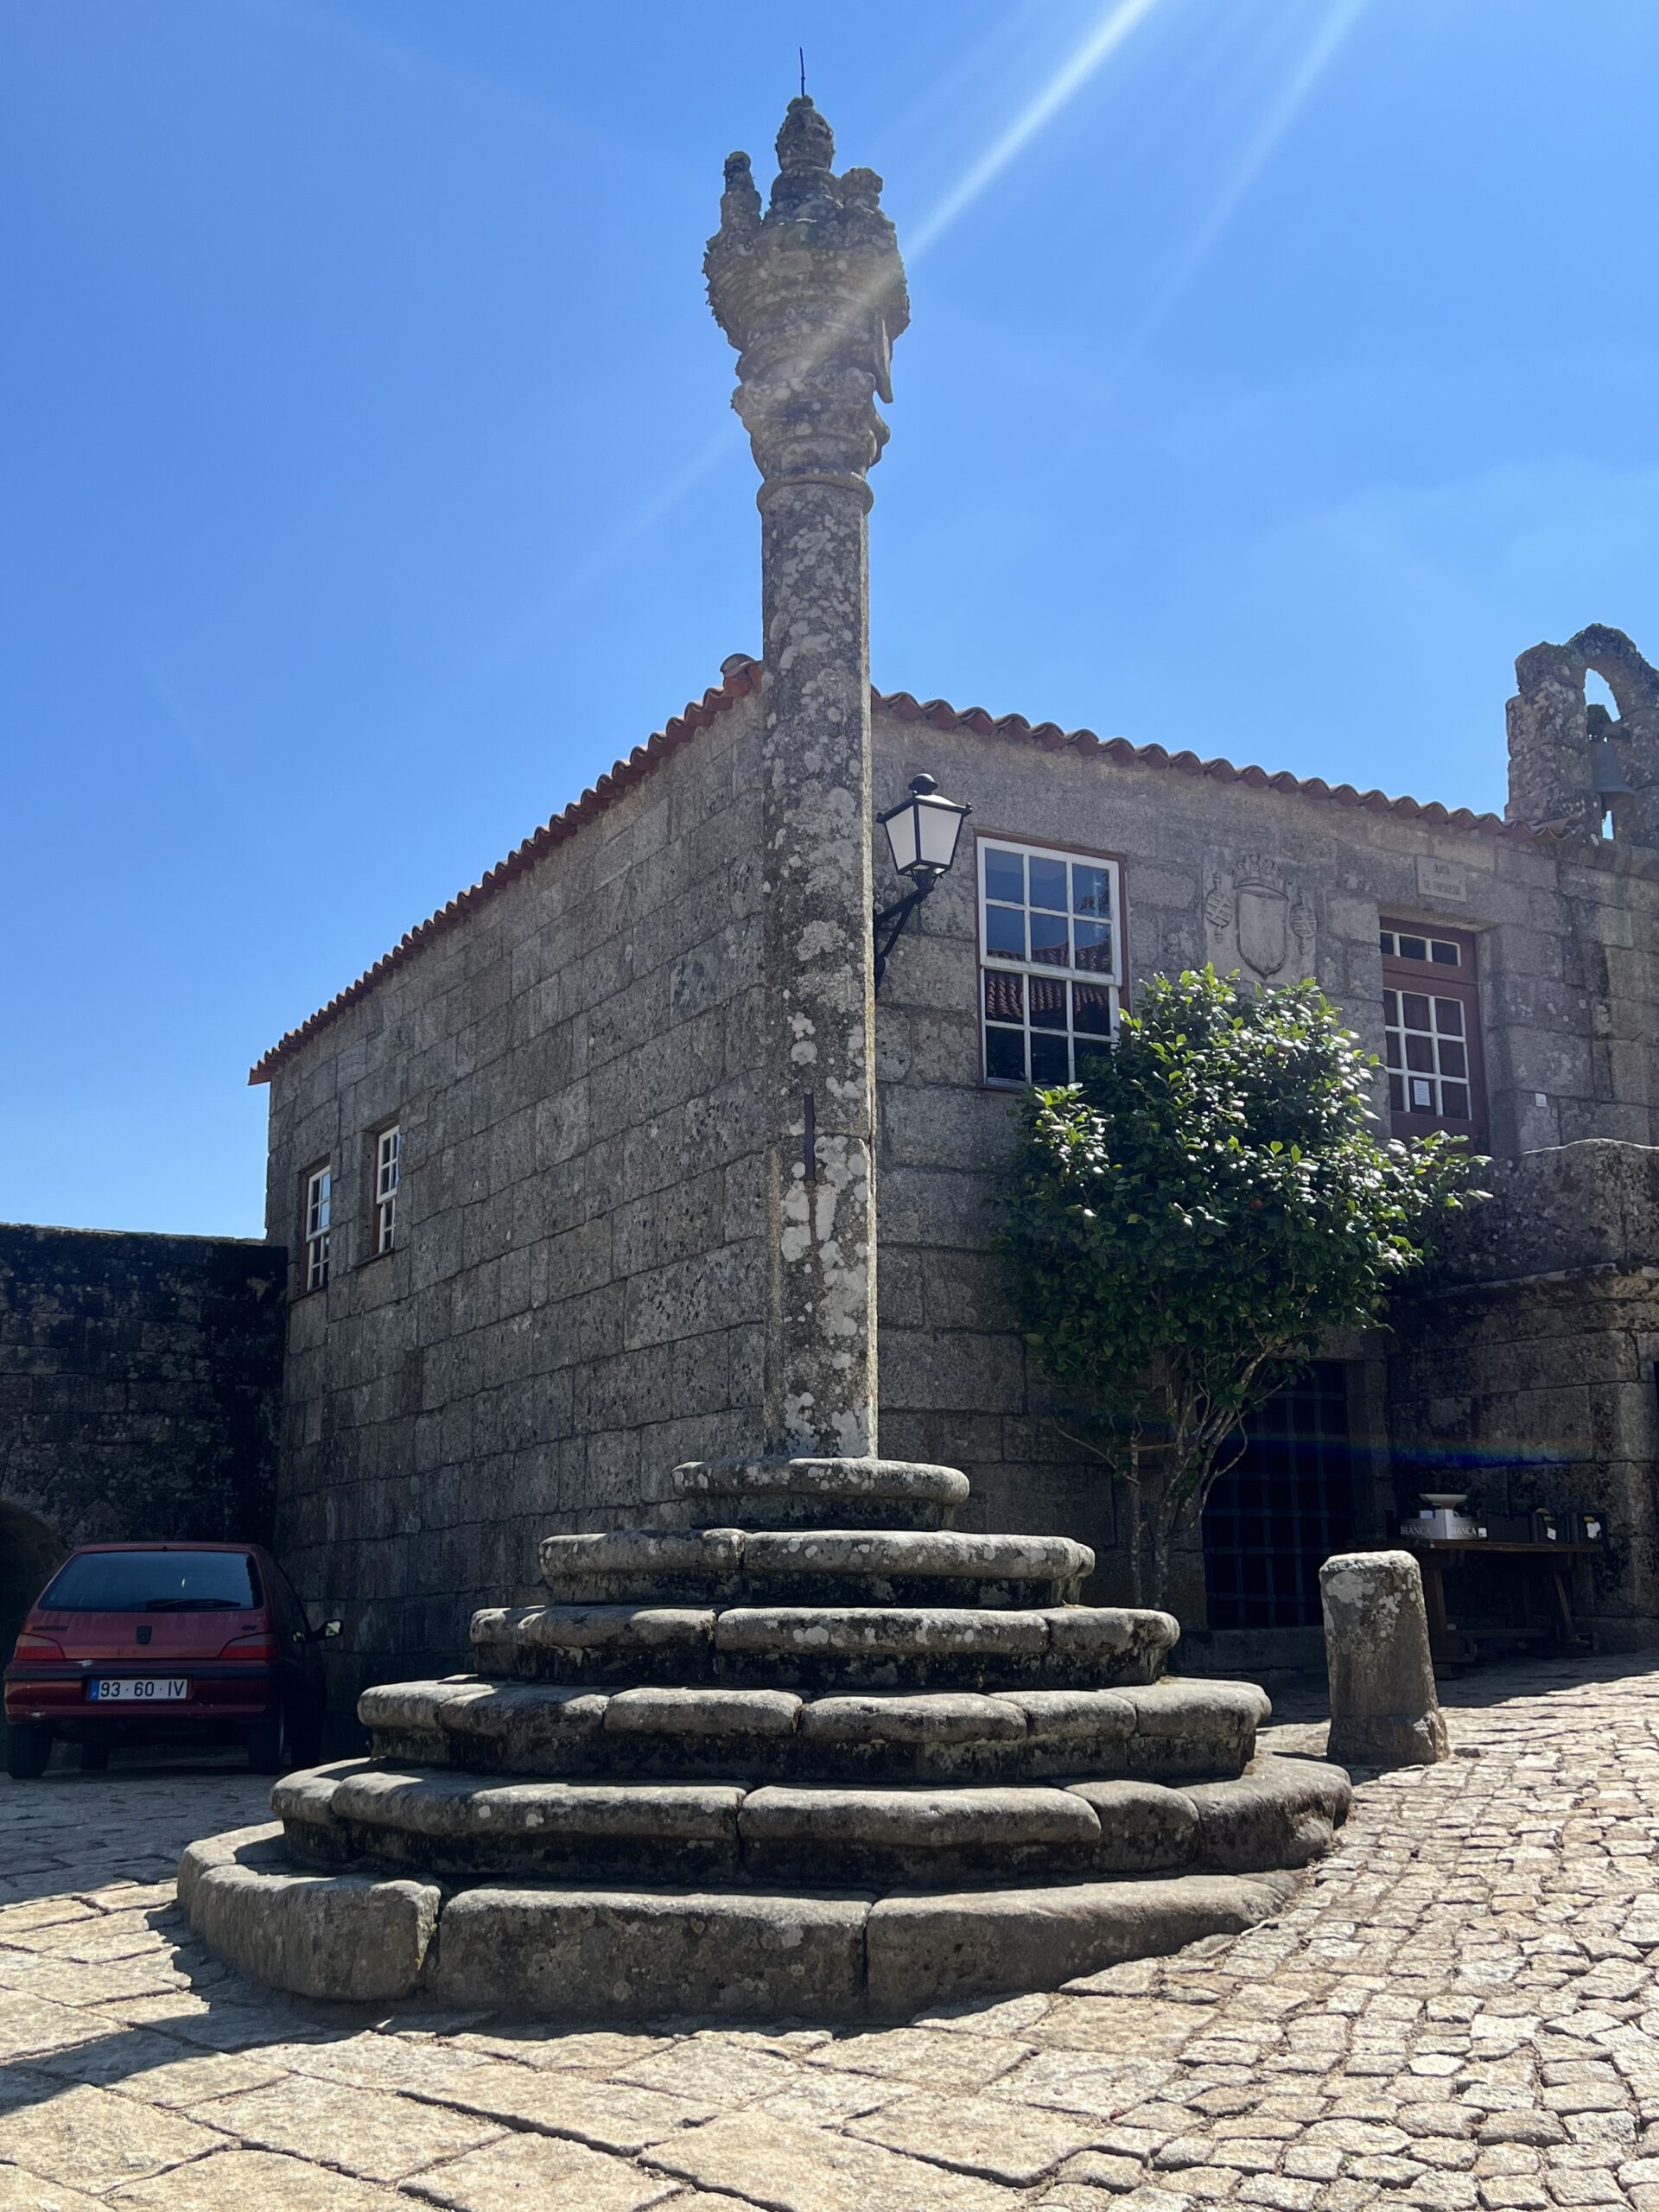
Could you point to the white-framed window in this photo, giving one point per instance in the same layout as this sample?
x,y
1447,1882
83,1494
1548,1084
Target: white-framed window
x,y
1051,955
388,1147
319,1199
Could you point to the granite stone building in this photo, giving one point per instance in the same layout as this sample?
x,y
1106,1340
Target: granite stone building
x,y
614,1161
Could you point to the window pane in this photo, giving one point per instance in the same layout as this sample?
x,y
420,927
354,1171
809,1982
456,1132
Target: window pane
x,y
1392,1048
1005,996
1047,1003
1391,1008
1091,1010
1397,1093
153,1582
1048,1064
1420,1053
1005,1055
1415,1006
1413,948
1094,954
1090,891
1004,876
1048,884
1005,933
1455,1101
1048,936
1386,940
1448,955
1089,1052
1453,1059
1448,1017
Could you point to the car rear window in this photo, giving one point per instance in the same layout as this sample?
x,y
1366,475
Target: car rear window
x,y
153,1582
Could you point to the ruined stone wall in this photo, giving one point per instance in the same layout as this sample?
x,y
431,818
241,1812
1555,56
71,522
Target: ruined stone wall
x,y
575,1302
1567,939
139,1378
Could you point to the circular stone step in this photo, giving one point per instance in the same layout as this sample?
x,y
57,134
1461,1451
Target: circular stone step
x,y
815,1566
817,1493
359,1814
696,1776
825,1647
1164,1729
632,1953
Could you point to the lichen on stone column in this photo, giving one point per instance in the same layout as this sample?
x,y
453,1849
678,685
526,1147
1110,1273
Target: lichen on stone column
x,y
812,293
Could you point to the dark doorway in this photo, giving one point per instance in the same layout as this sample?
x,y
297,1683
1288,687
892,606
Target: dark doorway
x,y
1274,1518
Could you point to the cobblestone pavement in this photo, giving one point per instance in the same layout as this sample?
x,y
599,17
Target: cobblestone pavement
x,y
1459,2010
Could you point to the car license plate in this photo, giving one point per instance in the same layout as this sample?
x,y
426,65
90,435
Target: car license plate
x,y
141,1689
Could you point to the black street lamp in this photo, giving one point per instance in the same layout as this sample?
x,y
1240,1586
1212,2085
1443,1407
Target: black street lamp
x,y
922,833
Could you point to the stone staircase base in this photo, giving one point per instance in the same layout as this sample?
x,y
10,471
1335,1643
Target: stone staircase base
x,y
586,1954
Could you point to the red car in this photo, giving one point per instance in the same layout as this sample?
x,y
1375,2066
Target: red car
x,y
179,1643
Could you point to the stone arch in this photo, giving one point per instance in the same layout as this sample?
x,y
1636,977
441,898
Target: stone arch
x,y
29,1553
1555,736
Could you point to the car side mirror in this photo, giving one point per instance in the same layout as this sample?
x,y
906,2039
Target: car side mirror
x,y
331,1630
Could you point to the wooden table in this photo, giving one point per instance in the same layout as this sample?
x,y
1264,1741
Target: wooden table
x,y
1451,1646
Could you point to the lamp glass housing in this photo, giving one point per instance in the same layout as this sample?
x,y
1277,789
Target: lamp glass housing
x,y
923,830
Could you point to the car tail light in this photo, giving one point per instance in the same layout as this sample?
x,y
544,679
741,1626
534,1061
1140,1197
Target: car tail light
x,y
31,1640
258,1643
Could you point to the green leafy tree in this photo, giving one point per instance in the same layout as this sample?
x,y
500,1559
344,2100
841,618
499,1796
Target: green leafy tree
x,y
1184,1225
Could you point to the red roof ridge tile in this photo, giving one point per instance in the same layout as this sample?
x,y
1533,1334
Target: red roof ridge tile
x,y
740,675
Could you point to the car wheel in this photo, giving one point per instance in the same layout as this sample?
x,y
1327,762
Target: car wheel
x,y
268,1751
94,1757
29,1746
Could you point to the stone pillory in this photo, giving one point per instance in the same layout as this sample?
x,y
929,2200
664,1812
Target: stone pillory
x,y
811,294
799,1746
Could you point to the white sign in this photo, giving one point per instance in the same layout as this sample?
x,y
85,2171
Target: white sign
x,y
1438,879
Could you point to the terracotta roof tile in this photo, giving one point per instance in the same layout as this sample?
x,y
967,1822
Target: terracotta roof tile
x,y
741,678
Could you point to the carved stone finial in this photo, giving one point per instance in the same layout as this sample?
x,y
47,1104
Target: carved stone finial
x,y
805,142
813,295
740,204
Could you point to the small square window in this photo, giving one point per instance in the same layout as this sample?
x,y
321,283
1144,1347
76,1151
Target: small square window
x,y
319,1205
1049,940
1005,876
388,1156
1091,1010
1048,1059
1005,1055
1090,891
1005,932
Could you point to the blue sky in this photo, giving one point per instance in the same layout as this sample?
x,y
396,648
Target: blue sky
x,y
1279,370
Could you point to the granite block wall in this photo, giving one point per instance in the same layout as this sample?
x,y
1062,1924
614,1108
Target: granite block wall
x,y
575,1302
139,1385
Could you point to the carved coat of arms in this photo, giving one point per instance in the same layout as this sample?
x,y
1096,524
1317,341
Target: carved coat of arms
x,y
1257,912
1264,916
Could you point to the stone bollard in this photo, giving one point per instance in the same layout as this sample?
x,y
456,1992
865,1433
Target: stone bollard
x,y
1383,1708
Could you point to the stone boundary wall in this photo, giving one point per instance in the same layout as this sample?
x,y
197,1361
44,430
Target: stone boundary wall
x,y
139,1386
1541,1393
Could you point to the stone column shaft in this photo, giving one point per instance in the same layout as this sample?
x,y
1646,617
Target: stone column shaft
x,y
820,980
811,294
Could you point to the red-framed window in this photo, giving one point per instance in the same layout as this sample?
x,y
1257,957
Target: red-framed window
x,y
1431,1022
